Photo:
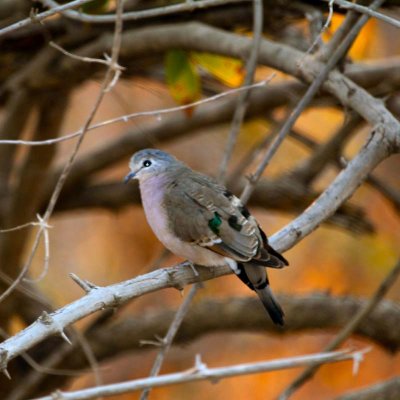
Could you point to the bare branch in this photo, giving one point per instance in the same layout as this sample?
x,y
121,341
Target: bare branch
x,y
40,17
136,15
202,372
367,11
303,103
192,36
102,297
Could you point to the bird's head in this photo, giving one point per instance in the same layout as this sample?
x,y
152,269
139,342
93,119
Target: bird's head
x,y
149,162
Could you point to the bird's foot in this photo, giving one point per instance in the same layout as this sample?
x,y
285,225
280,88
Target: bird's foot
x,y
193,268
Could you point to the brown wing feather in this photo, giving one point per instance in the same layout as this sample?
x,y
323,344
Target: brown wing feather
x,y
194,201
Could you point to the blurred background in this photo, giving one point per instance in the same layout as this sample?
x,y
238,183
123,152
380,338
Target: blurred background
x,y
108,240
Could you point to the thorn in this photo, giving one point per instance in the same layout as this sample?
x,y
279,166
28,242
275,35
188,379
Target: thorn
x,y
155,343
33,14
6,373
65,337
45,318
171,279
343,162
3,362
117,301
192,266
57,395
159,342
84,284
199,365
358,357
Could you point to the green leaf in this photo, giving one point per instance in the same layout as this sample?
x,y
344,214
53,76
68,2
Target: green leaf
x,y
182,78
95,7
229,71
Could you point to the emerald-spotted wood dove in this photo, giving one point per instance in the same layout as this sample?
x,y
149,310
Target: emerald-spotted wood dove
x,y
197,218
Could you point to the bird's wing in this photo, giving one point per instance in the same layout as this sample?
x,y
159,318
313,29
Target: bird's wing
x,y
201,211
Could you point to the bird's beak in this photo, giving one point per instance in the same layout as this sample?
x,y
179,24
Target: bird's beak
x,y
128,177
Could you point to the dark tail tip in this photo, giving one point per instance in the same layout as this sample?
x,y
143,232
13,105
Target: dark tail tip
x,y
271,305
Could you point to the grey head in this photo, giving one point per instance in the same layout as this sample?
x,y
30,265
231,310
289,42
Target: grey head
x,y
150,162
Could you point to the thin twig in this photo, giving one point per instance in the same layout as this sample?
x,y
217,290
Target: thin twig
x,y
40,17
323,29
185,6
43,230
43,227
169,337
113,70
19,227
128,117
80,58
201,372
243,100
329,48
367,11
25,290
351,326
305,100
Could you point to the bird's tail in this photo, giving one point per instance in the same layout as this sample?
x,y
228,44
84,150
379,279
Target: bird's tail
x,y
258,281
271,305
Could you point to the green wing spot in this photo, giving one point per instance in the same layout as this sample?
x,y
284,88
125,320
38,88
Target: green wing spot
x,y
215,223
233,223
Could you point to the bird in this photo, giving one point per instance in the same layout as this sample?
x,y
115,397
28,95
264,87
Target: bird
x,y
198,219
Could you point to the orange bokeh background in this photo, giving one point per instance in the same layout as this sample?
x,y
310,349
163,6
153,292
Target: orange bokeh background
x,y
105,247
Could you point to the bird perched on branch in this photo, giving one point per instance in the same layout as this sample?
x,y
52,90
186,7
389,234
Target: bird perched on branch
x,y
197,218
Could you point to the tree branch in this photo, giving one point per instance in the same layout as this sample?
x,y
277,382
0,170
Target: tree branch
x,y
195,36
202,372
231,315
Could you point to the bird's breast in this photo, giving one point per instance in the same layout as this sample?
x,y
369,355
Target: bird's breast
x,y
152,193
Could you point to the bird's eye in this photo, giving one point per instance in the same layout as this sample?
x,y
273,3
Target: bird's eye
x,y
146,163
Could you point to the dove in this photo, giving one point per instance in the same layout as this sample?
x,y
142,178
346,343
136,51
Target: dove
x,y
197,218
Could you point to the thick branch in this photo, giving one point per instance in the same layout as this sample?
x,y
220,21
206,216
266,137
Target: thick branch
x,y
234,315
318,311
100,298
139,43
